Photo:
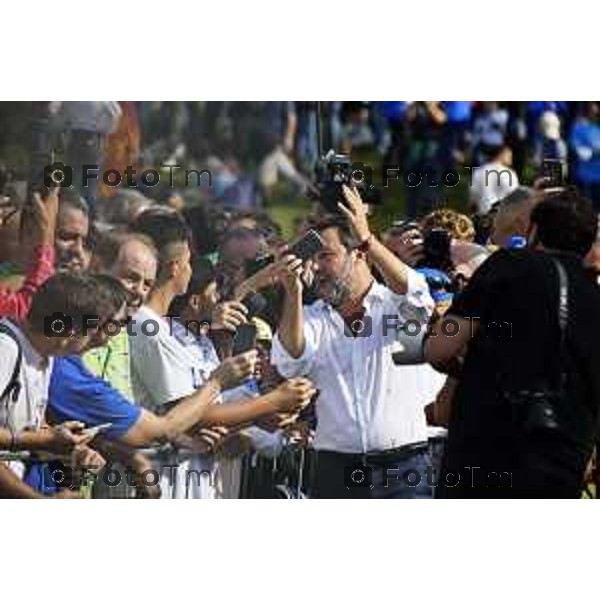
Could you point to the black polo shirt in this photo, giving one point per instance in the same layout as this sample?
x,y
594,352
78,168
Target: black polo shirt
x,y
514,296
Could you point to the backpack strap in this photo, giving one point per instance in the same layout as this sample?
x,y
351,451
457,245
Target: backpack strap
x,y
13,388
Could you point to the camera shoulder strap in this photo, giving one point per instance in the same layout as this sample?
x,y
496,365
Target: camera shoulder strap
x,y
13,387
563,311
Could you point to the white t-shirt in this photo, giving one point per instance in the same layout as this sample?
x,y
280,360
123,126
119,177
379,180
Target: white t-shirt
x,y
163,369
167,366
27,411
491,183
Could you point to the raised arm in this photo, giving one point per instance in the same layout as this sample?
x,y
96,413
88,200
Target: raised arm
x,y
291,325
392,269
39,226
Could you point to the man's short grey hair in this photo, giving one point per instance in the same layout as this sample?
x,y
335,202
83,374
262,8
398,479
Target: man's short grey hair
x,y
517,197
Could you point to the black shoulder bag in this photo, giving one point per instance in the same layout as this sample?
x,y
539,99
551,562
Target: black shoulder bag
x,y
534,409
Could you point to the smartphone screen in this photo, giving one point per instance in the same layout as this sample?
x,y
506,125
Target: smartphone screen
x,y
244,339
308,246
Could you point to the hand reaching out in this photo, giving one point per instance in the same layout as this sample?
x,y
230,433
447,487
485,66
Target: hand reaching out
x,y
234,370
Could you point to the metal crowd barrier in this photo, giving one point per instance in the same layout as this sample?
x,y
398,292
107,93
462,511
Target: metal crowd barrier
x,y
289,475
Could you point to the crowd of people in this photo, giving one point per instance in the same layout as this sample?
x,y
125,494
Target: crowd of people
x,y
164,343
254,149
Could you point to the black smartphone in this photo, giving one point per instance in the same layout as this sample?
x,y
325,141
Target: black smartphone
x,y
304,248
244,339
552,173
308,246
254,266
436,248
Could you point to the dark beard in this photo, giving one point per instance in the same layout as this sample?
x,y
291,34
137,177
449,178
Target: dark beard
x,y
341,287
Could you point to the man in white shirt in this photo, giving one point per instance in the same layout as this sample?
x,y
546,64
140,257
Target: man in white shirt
x,y
492,181
371,434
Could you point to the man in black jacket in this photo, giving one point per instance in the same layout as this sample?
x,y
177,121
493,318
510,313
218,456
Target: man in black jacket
x,y
524,416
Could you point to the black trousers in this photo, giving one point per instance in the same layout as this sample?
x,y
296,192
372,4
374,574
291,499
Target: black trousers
x,y
405,475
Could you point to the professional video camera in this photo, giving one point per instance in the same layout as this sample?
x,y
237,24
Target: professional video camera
x,y
335,170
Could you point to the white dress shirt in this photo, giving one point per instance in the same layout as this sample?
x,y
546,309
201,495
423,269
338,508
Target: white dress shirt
x,y
366,403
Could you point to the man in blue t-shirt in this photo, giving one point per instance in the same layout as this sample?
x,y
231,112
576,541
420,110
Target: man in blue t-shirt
x,y
456,133
75,390
585,143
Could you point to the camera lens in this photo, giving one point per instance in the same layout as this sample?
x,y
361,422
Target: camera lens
x,y
357,476
358,176
57,326
358,326
58,476
58,176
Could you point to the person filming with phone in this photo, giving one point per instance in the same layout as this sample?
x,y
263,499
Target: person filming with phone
x,y
371,427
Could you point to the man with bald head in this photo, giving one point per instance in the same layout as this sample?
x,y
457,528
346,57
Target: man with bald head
x,y
135,267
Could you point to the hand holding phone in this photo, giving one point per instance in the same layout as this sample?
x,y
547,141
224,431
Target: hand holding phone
x,y
308,246
304,249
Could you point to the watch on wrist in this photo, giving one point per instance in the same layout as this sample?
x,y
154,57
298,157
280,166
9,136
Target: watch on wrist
x,y
366,244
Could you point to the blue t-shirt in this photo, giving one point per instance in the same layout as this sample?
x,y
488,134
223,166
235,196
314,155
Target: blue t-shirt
x,y
393,111
585,137
458,111
76,394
